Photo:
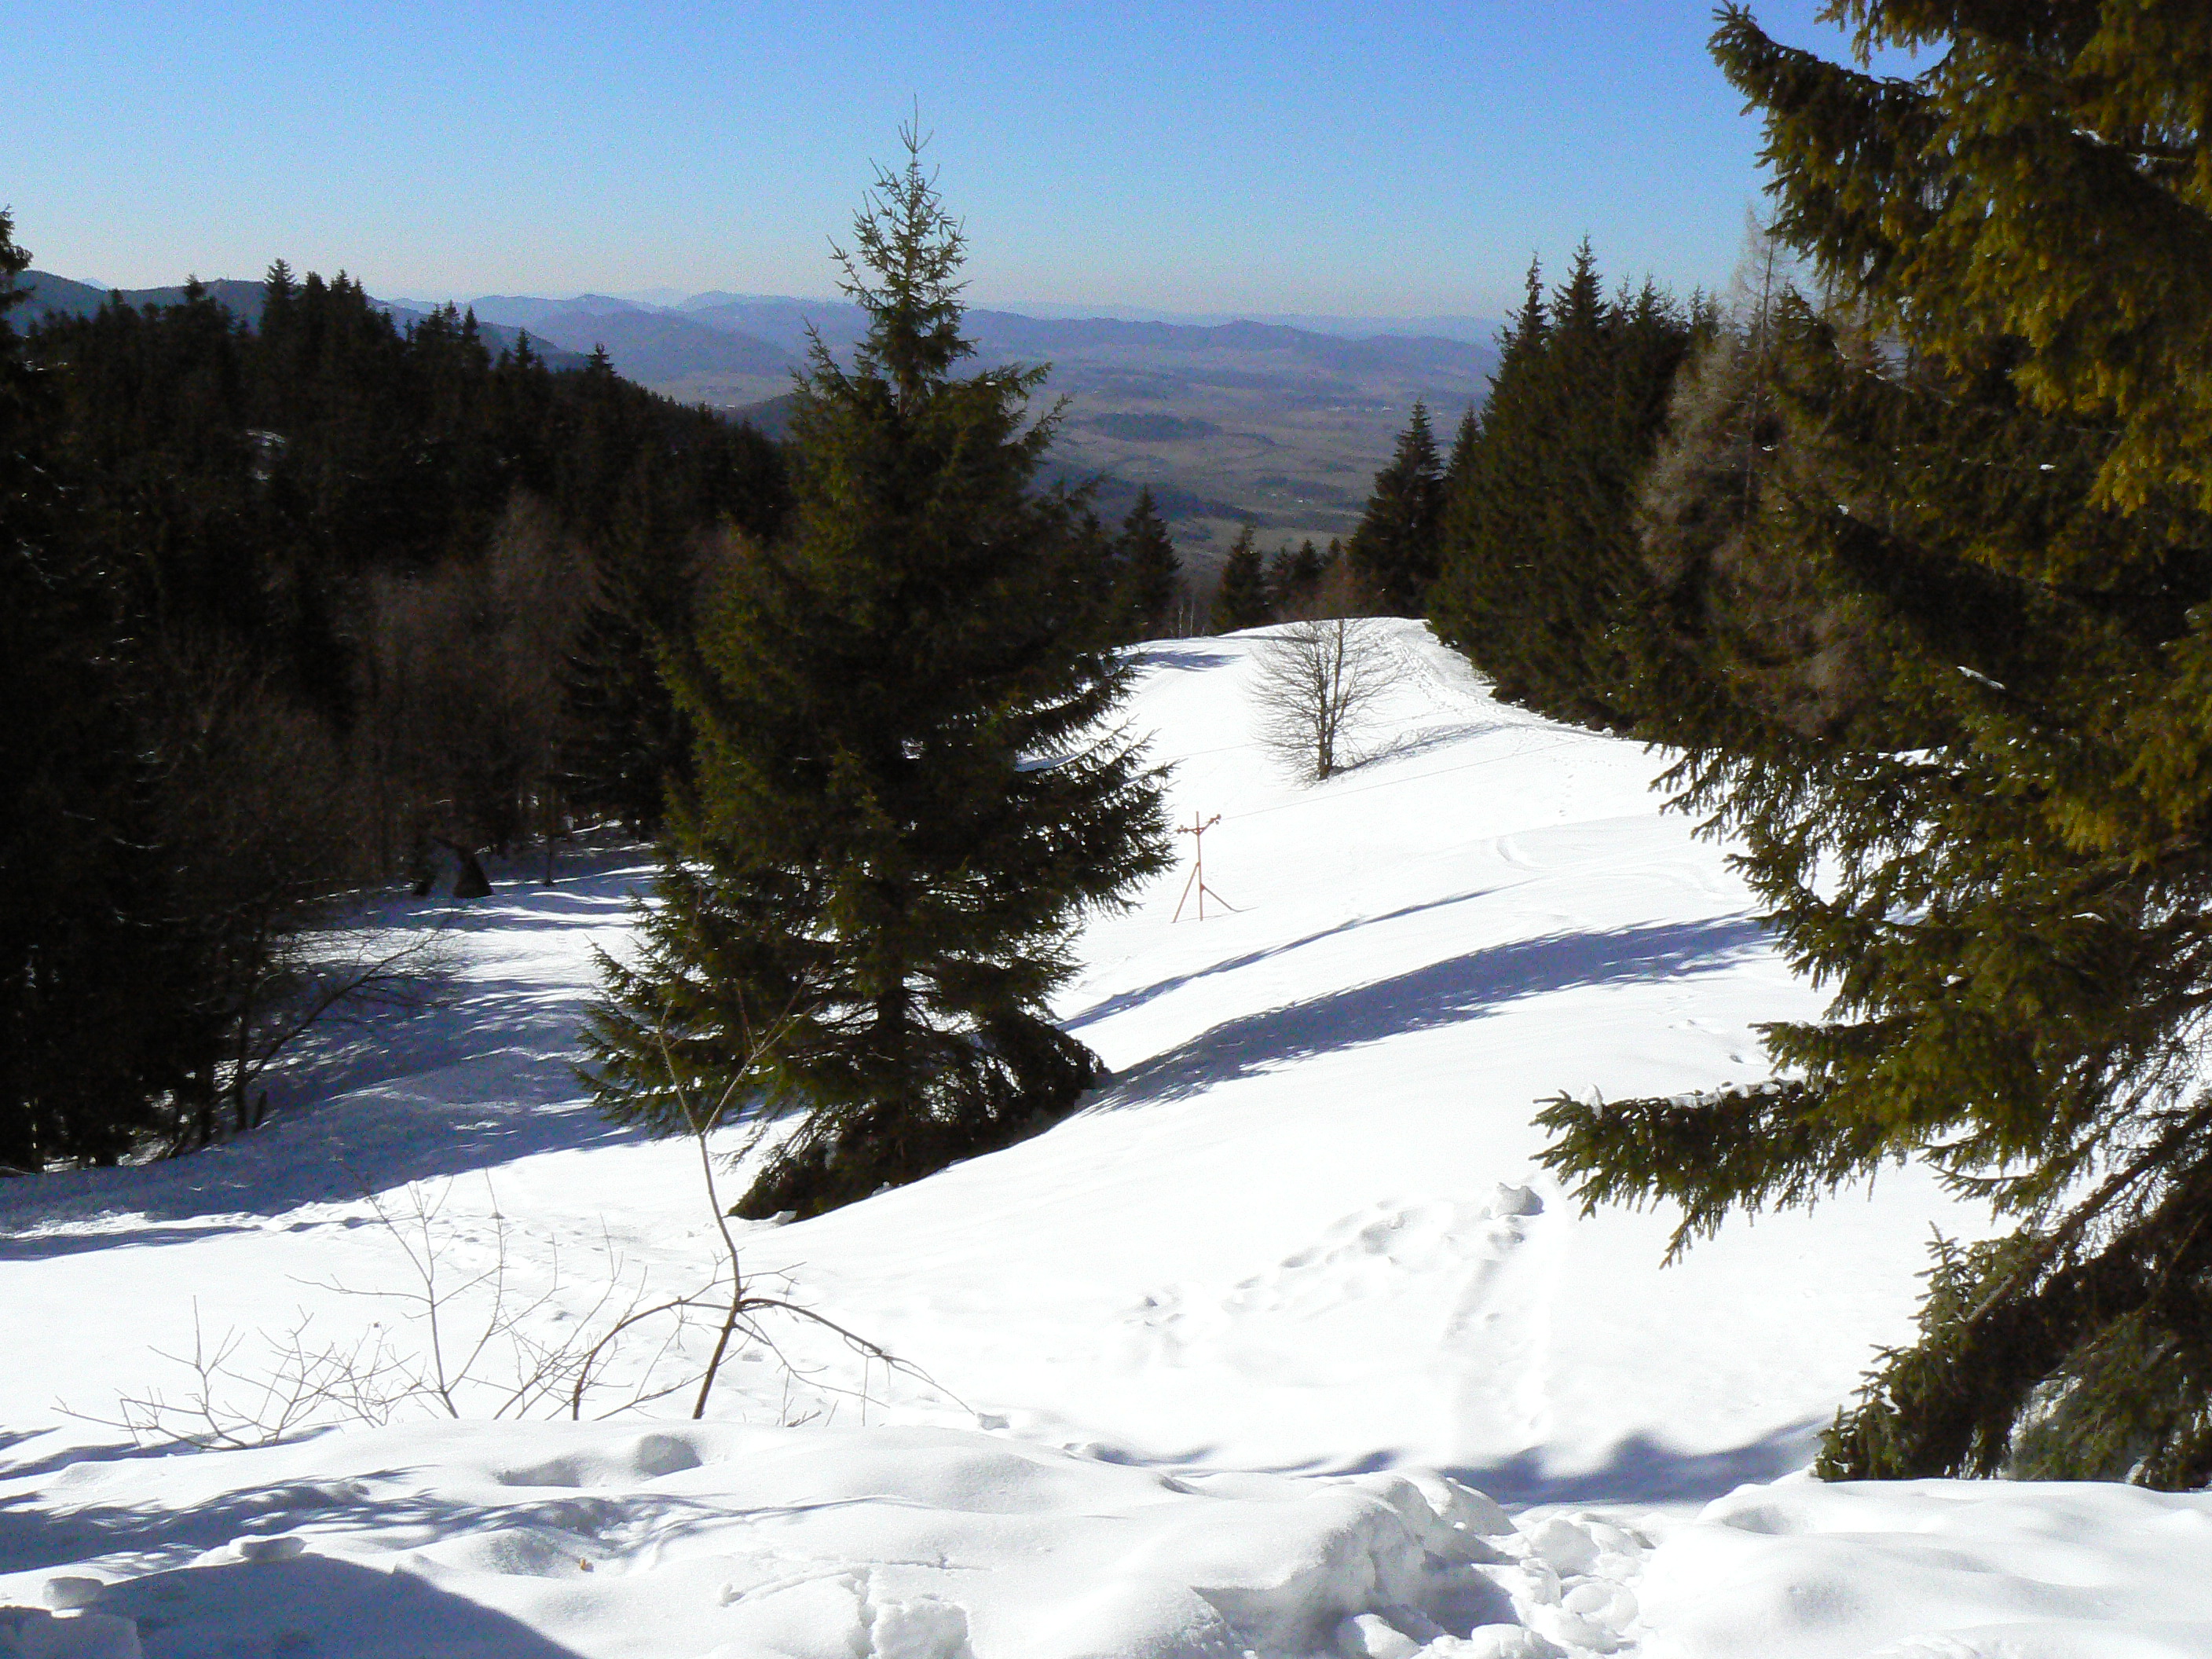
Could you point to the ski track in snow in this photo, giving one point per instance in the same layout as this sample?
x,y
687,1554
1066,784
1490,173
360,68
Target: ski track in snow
x,y
1224,1364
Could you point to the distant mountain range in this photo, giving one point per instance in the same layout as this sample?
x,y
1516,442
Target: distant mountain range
x,y
49,294
1474,330
732,334
1276,422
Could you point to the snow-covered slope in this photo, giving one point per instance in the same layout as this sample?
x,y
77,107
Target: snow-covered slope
x,y
1220,1363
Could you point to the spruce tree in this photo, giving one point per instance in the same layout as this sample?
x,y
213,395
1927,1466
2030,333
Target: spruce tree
x,y
1143,602
96,984
1465,442
906,796
1541,580
1240,599
1394,551
1482,601
624,738
1294,579
1992,458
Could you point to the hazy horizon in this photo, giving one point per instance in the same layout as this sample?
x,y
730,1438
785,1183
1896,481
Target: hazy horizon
x,y
1309,161
1448,326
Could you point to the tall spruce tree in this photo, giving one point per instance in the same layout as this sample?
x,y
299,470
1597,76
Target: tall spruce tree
x,y
1394,551
1144,603
906,796
1540,578
624,739
1994,838
1240,598
1294,581
1492,514
1464,439
96,986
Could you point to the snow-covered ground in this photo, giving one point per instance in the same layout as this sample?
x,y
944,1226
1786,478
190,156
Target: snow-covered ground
x,y
1226,1363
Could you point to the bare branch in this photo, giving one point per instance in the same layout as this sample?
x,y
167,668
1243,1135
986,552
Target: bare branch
x,y
1315,685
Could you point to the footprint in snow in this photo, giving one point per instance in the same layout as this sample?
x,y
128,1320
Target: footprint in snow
x,y
1572,1581
1393,1272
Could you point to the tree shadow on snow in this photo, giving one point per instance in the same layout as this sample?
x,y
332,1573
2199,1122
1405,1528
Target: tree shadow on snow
x,y
321,1604
1642,1470
1448,992
1177,656
522,905
1637,1470
15,1466
149,1537
487,1107
1121,1002
316,1606
11,1438
481,1074
1408,744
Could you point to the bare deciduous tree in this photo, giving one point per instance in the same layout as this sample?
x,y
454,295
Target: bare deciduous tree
x,y
1317,681
258,809
460,693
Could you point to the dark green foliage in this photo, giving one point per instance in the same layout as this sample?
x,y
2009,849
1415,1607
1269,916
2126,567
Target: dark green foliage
x,y
1466,439
904,800
399,533
1240,600
690,1017
1934,564
1743,631
1780,1145
1393,553
624,740
2042,1362
263,479
292,601
2046,177
1540,571
1149,574
84,955
1294,581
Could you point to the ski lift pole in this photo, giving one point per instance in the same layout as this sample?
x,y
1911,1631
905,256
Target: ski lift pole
x,y
1196,831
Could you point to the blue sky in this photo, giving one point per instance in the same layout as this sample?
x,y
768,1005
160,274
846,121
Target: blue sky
x,y
1283,158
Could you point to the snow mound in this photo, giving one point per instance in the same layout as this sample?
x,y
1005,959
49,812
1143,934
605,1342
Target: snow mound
x,y
811,1543
1936,1570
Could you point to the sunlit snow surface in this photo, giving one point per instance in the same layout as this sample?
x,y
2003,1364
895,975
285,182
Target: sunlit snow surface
x,y
1222,1364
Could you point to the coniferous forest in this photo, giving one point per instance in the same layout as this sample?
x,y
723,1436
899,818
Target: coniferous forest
x,y
294,610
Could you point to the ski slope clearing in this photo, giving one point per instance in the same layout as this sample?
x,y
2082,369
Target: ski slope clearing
x,y
1245,1357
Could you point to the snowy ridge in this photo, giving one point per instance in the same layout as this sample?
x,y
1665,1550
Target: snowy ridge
x,y
1242,1358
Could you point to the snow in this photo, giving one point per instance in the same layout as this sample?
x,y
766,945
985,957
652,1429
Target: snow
x,y
1936,1570
1236,1360
542,1538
